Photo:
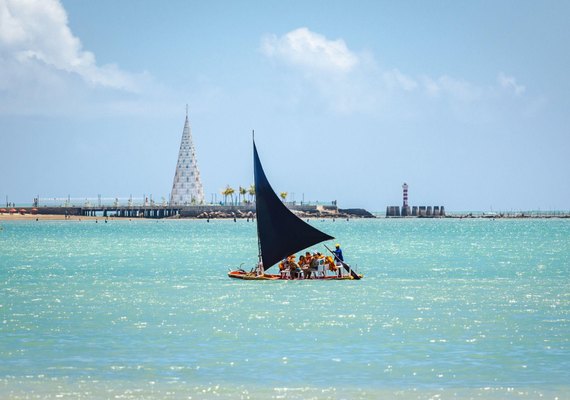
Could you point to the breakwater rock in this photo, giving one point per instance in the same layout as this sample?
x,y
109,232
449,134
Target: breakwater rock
x,y
356,212
248,212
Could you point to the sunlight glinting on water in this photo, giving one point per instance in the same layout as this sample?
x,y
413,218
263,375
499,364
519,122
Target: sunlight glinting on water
x,y
143,308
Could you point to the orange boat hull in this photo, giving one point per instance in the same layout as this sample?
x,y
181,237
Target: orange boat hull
x,y
252,276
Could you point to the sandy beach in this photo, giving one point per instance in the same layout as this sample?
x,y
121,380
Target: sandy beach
x,y
44,217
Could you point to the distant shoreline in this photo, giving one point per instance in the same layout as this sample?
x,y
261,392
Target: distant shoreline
x,y
545,215
60,217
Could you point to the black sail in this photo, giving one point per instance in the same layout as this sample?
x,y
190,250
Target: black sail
x,y
280,232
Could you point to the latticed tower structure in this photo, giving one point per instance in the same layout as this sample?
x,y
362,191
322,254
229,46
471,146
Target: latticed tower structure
x,y
187,187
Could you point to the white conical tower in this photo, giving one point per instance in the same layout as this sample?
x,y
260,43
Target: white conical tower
x,y
187,187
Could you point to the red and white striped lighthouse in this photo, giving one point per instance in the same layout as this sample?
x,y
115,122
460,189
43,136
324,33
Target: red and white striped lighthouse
x,y
405,189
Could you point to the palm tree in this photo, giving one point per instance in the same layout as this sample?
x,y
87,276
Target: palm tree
x,y
232,191
228,191
283,196
251,192
242,192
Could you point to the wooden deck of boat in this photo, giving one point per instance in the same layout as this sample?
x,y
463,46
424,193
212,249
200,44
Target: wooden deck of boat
x,y
250,276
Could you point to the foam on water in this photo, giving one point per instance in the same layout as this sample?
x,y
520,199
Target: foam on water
x,y
144,309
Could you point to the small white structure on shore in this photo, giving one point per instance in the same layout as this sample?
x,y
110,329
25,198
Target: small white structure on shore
x,y
187,187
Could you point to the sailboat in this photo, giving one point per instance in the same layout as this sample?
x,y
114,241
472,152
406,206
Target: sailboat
x,y
280,233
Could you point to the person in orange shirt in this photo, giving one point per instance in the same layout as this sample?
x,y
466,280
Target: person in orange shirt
x,y
329,261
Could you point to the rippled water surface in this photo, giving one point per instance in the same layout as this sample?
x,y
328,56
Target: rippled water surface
x,y
144,309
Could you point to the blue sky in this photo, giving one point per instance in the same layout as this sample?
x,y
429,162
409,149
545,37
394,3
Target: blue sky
x,y
467,102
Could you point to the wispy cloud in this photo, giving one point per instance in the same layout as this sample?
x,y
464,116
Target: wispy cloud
x,y
510,83
352,81
457,89
394,79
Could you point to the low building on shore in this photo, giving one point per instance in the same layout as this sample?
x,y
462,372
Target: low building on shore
x,y
416,211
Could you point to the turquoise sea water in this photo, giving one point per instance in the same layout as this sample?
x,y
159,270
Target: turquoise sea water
x,y
144,309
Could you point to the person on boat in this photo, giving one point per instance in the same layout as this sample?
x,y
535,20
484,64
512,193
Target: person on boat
x,y
330,264
322,264
294,268
313,270
260,270
303,266
339,258
306,266
338,253
290,265
284,268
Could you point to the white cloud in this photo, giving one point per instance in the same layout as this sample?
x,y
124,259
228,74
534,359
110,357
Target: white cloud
x,y
311,51
446,86
510,83
350,81
394,79
36,44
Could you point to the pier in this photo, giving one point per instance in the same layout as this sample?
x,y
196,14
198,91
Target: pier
x,y
192,211
108,211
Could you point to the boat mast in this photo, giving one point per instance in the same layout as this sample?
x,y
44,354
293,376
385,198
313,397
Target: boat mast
x,y
259,256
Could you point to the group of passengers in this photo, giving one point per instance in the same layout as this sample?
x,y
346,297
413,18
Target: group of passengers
x,y
311,265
